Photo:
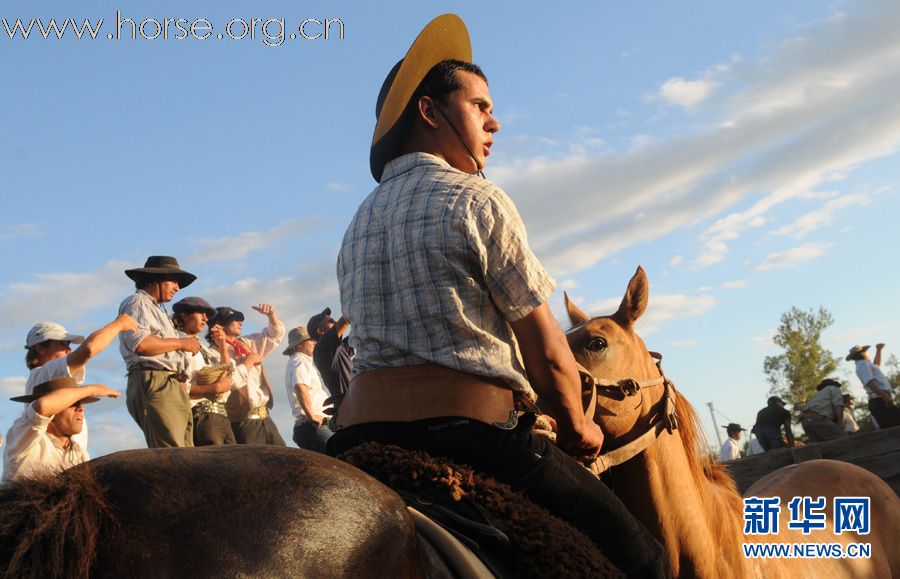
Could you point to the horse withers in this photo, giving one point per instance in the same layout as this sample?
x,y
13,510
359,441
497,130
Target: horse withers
x,y
228,511
692,505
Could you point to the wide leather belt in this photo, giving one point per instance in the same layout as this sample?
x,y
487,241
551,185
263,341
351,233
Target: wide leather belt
x,y
209,407
425,391
260,413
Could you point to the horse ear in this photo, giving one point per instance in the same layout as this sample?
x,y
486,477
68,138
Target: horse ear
x,y
576,316
635,301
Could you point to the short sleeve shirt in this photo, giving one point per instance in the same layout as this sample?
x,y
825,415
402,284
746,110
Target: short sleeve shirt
x,y
866,371
433,268
151,320
300,370
824,401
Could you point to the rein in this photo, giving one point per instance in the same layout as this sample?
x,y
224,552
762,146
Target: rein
x,y
630,387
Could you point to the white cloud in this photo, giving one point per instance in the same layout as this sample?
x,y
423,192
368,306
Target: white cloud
x,y
820,218
686,93
337,186
660,309
791,257
682,344
736,284
676,261
20,231
241,245
767,149
12,386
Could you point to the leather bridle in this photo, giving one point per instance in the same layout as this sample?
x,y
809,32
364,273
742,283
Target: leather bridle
x,y
628,387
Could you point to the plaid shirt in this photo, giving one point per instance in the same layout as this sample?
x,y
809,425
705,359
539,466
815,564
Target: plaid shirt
x,y
433,267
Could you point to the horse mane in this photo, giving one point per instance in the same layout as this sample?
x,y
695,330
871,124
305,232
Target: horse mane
x,y
50,524
717,489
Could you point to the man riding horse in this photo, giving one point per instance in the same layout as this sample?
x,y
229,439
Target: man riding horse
x,y
446,297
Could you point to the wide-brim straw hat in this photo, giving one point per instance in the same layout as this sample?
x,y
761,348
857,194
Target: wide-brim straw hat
x,y
444,38
51,385
857,349
162,265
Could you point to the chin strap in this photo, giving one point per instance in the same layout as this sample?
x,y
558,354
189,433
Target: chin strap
x,y
627,387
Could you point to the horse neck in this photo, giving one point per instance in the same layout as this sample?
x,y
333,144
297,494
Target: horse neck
x,y
692,516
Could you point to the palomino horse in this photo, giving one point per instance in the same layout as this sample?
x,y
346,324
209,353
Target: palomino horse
x,y
691,505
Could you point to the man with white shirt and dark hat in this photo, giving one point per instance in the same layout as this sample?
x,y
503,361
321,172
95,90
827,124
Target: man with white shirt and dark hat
x,y
251,395
156,356
40,440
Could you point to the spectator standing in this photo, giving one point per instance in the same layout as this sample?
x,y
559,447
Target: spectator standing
x,y
730,449
306,392
156,357
876,384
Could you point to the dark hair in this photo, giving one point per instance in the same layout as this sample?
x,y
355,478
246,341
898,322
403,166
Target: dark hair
x,y
828,382
31,357
442,80
178,320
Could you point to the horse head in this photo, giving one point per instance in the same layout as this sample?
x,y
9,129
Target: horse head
x,y
630,388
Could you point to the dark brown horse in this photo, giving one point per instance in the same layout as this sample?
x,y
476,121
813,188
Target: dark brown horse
x,y
691,505
232,511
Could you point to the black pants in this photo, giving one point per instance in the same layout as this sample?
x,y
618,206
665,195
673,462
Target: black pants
x,y
769,438
257,431
886,416
212,429
532,465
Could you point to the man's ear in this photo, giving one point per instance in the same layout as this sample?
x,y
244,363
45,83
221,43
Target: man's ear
x,y
427,111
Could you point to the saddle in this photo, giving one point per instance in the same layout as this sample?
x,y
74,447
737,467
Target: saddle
x,y
510,535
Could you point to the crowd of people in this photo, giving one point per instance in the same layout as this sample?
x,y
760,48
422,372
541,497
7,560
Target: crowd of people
x,y
184,388
827,415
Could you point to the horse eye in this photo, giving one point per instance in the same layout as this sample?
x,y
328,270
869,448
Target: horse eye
x,y
596,344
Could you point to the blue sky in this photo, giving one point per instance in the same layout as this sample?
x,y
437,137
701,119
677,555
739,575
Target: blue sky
x,y
744,154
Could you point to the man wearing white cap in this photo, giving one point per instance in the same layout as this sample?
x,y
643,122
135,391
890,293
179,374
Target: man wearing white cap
x,y
50,355
876,384
41,440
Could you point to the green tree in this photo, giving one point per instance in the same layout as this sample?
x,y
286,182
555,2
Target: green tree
x,y
795,373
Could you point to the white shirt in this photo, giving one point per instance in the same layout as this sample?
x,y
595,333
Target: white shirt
x,y
206,356
263,343
58,368
754,448
31,451
729,451
867,371
301,370
850,424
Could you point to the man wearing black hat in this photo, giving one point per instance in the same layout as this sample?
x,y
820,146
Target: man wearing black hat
x,y
251,397
209,373
446,297
157,393
730,449
769,422
40,440
332,355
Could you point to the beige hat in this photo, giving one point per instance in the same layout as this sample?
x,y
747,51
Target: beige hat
x,y
857,349
444,38
296,336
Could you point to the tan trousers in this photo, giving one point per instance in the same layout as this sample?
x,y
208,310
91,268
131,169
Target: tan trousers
x,y
161,407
